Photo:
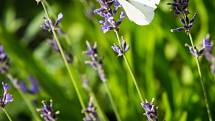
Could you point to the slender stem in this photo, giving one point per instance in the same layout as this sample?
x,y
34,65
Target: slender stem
x,y
129,69
27,102
112,101
7,114
201,80
65,61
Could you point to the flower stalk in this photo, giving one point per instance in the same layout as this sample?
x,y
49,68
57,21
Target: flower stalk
x,y
7,114
96,63
201,80
129,68
65,60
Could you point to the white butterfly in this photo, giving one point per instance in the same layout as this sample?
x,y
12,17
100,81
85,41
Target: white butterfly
x,y
140,12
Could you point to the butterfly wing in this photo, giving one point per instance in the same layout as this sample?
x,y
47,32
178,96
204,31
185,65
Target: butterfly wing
x,y
140,12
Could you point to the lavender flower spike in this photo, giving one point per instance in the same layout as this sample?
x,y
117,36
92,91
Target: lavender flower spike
x,y
49,25
47,112
95,61
6,98
4,61
179,6
150,110
90,111
108,10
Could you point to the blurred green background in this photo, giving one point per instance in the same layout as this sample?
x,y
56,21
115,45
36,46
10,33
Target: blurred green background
x,y
163,66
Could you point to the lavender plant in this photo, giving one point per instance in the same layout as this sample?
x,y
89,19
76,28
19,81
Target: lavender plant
x,y
180,8
53,27
5,99
96,63
47,112
108,10
48,25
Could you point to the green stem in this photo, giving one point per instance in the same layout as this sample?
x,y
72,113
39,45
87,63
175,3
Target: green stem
x,y
27,102
112,101
201,80
129,69
7,114
65,61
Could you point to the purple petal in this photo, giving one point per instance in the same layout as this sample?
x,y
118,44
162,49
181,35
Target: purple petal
x,y
34,85
8,99
5,87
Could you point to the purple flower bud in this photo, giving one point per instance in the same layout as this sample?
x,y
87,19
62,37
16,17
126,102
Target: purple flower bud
x,y
194,51
5,87
6,98
48,25
120,49
4,61
34,85
59,19
90,111
22,86
207,44
150,110
47,112
117,49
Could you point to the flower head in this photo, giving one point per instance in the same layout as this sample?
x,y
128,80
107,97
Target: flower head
x,y
120,49
48,25
150,110
4,61
108,10
194,51
95,61
6,98
186,22
206,48
47,112
180,6
90,111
